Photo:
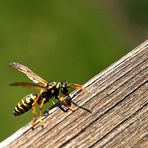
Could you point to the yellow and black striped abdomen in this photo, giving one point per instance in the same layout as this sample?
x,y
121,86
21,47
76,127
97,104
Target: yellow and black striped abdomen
x,y
24,105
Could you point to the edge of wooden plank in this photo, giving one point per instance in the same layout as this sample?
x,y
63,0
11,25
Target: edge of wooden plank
x,y
27,127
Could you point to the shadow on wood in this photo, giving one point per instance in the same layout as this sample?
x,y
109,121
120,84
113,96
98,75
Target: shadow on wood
x,y
118,101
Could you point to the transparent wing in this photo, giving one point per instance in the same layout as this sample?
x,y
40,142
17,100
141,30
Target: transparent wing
x,y
26,84
28,72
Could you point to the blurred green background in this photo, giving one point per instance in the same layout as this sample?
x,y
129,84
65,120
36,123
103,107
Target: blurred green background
x,y
62,40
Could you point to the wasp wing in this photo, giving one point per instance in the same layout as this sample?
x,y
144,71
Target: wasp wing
x,y
26,84
28,72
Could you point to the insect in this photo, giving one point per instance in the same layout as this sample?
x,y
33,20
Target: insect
x,y
47,90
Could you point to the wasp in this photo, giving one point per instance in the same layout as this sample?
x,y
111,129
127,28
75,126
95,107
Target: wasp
x,y
47,90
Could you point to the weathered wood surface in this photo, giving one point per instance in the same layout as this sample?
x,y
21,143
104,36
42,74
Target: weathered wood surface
x,y
118,100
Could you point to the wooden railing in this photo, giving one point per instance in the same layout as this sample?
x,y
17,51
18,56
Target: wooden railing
x,y
118,117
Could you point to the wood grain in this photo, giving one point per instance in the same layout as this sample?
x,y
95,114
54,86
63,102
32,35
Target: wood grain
x,y
118,101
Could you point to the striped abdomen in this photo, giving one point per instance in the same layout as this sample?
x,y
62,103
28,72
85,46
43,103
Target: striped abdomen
x,y
24,105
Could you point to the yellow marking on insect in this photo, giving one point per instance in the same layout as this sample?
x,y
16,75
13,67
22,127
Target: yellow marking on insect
x,y
14,112
49,87
24,103
52,91
33,96
28,100
58,85
19,105
16,109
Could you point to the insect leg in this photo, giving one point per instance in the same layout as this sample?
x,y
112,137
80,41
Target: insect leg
x,y
34,110
53,102
63,101
41,107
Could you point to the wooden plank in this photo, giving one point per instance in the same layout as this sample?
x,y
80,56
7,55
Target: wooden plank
x,y
118,101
